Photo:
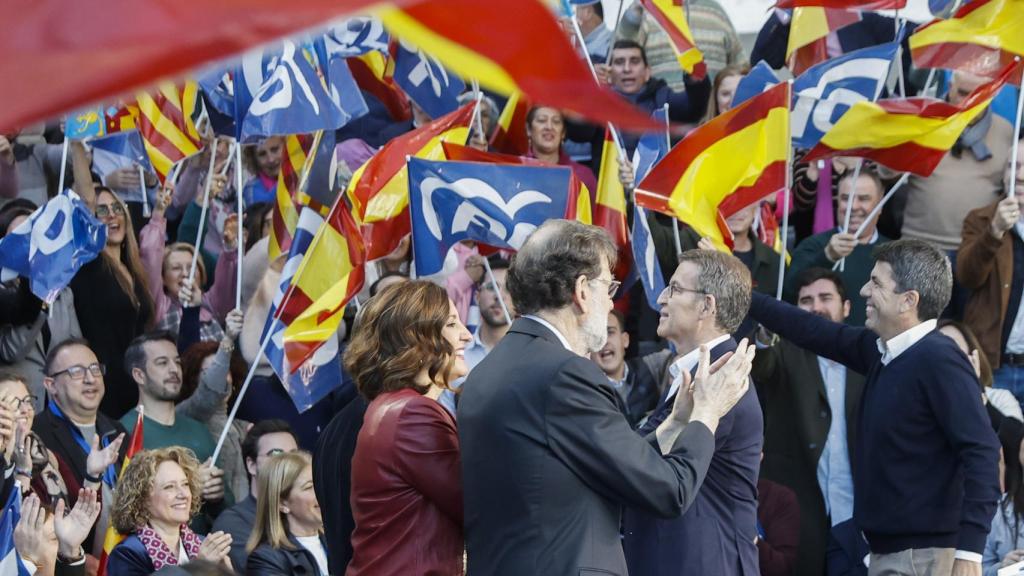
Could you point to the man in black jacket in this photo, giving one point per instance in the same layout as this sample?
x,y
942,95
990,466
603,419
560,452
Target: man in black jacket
x,y
547,458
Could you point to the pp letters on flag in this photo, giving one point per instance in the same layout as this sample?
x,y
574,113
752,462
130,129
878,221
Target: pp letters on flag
x,y
426,81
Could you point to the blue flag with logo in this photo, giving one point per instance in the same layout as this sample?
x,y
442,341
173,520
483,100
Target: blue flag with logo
x,y
321,374
427,83
645,259
826,91
494,204
52,244
218,96
760,78
651,148
356,36
341,86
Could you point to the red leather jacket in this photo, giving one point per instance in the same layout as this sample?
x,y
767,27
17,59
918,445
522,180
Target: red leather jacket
x,y
406,490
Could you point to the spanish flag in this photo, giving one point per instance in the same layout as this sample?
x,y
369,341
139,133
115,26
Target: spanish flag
x,y
670,16
808,35
510,134
843,4
331,273
285,213
982,36
112,538
379,189
578,205
726,164
165,121
374,72
911,134
509,48
610,205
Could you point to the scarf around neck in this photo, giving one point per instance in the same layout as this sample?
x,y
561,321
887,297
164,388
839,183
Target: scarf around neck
x,y
158,551
973,138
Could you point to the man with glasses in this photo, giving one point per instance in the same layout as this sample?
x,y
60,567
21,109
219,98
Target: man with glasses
x,y
704,302
548,460
89,445
265,439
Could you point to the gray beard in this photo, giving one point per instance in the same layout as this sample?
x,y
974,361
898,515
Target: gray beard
x,y
595,332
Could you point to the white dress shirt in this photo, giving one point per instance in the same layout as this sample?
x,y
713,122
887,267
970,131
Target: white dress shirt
x,y
688,362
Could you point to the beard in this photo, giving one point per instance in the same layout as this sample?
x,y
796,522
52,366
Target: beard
x,y
595,331
166,391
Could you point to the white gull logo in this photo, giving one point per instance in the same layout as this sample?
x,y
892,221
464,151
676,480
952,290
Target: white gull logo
x,y
468,213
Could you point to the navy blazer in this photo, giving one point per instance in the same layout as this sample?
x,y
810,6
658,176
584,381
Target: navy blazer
x,y
268,561
129,558
716,535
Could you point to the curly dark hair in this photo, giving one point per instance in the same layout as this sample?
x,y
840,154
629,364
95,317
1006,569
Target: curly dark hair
x,y
192,369
131,502
543,273
398,333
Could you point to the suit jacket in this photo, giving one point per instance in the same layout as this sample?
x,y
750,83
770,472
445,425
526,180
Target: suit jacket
x,y
548,460
984,265
238,521
129,558
268,561
716,535
797,421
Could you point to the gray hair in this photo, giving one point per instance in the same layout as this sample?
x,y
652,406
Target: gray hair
x,y
543,273
919,266
726,278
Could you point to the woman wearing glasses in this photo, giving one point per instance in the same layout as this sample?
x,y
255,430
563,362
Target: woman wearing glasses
x,y
406,349
111,296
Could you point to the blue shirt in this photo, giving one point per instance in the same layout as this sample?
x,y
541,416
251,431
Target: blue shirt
x,y
835,477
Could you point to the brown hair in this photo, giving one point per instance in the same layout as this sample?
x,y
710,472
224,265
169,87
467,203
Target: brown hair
x,y
192,369
726,278
985,379
397,335
273,484
191,251
131,501
136,277
739,69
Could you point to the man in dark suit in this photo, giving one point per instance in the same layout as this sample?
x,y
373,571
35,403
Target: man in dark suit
x,y
810,407
547,458
705,301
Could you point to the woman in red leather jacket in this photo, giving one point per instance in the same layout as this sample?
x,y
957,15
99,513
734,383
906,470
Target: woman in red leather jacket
x,y
406,474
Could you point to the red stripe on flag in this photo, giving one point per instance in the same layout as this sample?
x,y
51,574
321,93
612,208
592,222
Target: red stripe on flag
x,y
844,4
906,157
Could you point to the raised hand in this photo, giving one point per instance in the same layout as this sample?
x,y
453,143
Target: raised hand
x,y
1007,214
233,324
230,236
98,460
211,480
34,537
626,174
215,548
719,386
7,424
74,528
163,198
840,246
188,295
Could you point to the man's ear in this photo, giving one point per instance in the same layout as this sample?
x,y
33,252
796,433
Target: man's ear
x,y
625,339
579,292
139,376
912,299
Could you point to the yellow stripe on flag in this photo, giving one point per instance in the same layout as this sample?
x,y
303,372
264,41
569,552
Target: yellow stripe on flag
x,y
889,130
996,24
808,25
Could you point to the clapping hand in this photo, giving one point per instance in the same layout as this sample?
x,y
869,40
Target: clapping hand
x,y
215,548
719,386
74,528
98,460
34,536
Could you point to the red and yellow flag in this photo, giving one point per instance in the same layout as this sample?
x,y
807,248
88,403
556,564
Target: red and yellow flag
x,y
166,124
331,273
983,35
844,4
379,189
808,35
112,538
374,72
610,205
728,163
510,134
670,16
285,214
911,134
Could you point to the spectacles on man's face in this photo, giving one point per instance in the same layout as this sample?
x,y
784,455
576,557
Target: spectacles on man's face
x,y
613,285
672,288
77,372
106,211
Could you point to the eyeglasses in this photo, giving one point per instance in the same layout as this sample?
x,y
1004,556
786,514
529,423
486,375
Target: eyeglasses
x,y
104,211
672,288
613,285
19,402
77,372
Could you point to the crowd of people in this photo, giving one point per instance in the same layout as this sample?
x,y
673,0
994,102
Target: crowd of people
x,y
528,413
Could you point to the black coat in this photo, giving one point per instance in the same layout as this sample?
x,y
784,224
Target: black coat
x,y
548,461
798,418
268,561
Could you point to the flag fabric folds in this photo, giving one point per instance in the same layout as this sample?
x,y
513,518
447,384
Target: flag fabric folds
x,y
670,16
87,123
493,204
285,213
166,122
704,179
356,36
808,33
50,246
330,274
911,134
844,4
309,382
510,133
112,537
609,211
379,189
760,78
10,560
374,73
650,148
826,91
427,83
645,258
508,49
983,36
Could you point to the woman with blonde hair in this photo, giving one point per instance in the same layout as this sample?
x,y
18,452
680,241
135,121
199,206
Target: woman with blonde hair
x,y
407,348
724,89
157,495
287,537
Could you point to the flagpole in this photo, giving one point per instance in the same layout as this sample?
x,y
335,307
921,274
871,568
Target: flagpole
x,y
898,58
497,292
64,161
202,214
593,71
785,205
145,196
615,32
238,241
245,386
878,208
675,221
307,166
1016,139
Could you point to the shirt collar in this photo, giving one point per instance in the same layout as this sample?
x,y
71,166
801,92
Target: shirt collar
x,y
899,343
548,325
625,376
689,361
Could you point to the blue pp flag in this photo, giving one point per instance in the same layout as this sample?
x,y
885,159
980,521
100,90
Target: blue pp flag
x,y
341,86
356,36
760,78
10,560
88,123
51,245
277,91
826,91
320,374
218,97
651,148
427,83
645,260
494,204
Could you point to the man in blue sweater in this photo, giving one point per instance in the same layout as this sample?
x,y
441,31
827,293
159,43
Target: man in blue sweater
x,y
926,460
